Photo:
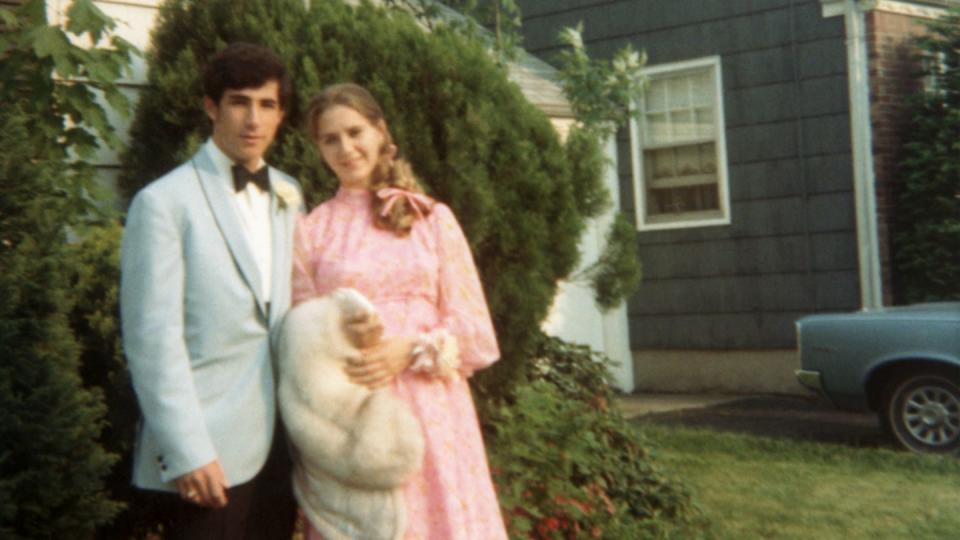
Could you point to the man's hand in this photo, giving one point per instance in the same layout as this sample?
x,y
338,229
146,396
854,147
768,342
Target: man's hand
x,y
206,486
381,363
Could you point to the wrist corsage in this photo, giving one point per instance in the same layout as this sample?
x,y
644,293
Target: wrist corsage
x,y
437,354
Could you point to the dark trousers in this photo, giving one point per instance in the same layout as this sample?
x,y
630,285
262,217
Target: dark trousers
x,y
261,509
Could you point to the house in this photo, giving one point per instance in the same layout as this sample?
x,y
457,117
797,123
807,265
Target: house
x,y
758,172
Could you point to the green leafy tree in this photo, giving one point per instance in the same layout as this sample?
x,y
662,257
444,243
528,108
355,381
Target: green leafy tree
x,y
926,237
60,86
600,91
51,461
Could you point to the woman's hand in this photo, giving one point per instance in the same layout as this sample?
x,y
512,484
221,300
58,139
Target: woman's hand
x,y
380,363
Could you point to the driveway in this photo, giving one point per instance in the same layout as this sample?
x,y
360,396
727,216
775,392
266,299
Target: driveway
x,y
795,417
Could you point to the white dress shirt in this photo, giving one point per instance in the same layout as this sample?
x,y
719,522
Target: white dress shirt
x,y
253,207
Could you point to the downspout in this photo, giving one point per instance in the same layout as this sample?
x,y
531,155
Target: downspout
x,y
864,180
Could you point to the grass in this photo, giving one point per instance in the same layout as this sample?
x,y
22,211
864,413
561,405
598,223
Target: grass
x,y
760,488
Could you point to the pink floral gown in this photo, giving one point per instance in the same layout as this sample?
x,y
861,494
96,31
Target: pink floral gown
x,y
419,283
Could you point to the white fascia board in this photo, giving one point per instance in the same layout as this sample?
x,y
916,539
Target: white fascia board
x,y
138,3
914,9
836,8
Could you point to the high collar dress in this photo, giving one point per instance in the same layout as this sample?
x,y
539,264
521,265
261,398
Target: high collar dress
x,y
420,283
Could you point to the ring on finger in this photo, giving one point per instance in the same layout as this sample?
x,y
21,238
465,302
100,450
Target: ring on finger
x,y
192,494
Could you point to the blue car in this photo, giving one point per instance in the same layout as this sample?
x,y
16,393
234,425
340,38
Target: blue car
x,y
901,362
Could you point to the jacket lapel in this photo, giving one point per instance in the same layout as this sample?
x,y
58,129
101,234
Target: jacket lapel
x,y
218,198
281,226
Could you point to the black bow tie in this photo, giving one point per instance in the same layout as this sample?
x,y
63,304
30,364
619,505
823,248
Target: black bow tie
x,y
241,176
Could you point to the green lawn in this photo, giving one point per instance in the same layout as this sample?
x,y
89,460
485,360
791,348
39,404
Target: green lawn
x,y
759,488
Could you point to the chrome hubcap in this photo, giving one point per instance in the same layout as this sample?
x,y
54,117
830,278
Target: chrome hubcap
x,y
932,415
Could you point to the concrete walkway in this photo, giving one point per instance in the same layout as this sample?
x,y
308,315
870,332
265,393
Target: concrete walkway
x,y
642,403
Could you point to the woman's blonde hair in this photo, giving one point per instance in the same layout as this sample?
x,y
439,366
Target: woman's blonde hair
x,y
390,171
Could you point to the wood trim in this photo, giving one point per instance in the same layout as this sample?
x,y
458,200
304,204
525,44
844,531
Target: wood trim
x,y
721,216
931,9
913,9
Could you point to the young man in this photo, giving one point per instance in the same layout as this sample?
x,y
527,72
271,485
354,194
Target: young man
x,y
205,282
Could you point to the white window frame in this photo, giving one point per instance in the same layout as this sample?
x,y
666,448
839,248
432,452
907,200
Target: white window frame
x,y
636,149
933,62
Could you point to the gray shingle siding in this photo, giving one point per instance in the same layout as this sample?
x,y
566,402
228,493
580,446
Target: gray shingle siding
x,y
790,248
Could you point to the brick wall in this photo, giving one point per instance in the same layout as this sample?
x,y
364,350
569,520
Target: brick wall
x,y
894,65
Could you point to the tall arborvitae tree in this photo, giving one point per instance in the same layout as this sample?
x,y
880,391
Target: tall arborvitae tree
x,y
51,464
926,237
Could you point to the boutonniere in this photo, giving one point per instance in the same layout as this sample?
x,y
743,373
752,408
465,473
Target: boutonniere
x,y
286,194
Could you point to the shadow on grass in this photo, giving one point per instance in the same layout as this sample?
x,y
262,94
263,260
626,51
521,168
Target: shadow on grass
x,y
791,417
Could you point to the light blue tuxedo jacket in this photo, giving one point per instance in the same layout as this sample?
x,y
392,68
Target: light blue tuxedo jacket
x,y
197,330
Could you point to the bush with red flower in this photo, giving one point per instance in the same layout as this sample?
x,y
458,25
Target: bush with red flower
x,y
567,464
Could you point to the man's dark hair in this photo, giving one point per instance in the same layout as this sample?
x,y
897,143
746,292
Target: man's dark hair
x,y
244,65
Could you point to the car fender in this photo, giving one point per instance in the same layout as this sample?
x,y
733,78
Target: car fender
x,y
891,365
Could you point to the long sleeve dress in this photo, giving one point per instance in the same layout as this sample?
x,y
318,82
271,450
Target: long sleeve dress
x,y
421,283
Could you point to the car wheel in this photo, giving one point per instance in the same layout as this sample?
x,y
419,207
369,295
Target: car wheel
x,y
923,412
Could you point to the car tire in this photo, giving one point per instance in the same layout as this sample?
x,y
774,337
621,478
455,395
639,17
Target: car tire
x,y
922,412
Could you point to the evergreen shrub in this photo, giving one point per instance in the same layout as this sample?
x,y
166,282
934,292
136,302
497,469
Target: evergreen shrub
x,y
94,285
926,237
51,464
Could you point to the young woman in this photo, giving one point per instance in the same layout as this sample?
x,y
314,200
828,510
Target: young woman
x,y
406,252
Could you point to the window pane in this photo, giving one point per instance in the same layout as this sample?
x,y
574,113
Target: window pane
x,y
678,92
658,202
656,97
689,165
656,129
688,161
688,199
708,158
684,128
660,164
702,84
710,197
704,123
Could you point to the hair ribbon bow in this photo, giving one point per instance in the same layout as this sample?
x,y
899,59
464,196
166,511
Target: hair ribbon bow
x,y
418,201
